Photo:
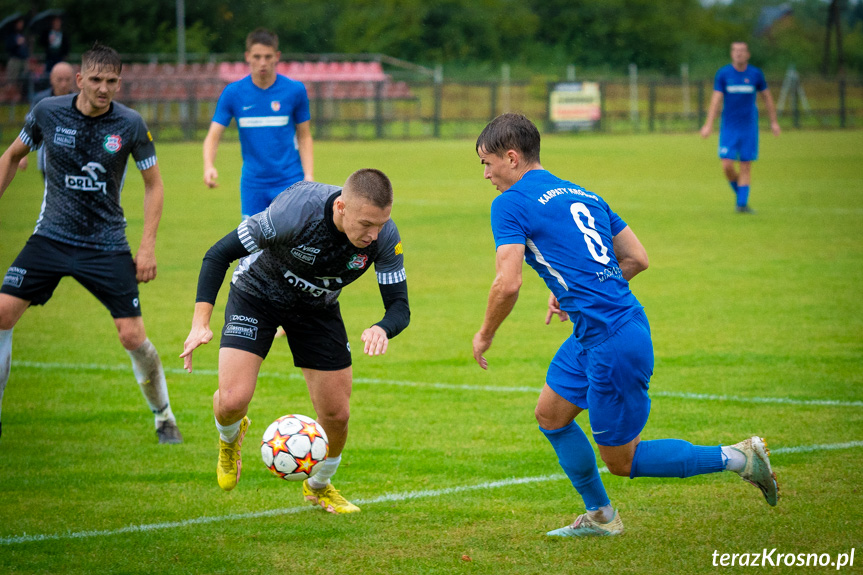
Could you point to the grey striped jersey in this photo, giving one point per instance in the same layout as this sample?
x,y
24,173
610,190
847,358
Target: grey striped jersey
x,y
85,167
299,257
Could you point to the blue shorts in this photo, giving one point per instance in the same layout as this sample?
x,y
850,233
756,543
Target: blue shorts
x,y
254,199
739,145
610,380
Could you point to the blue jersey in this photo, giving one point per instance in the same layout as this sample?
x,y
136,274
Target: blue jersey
x,y
739,89
267,121
568,234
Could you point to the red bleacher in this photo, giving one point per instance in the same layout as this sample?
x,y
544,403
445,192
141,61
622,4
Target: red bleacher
x,y
329,80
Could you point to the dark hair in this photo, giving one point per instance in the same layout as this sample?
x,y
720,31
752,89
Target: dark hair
x,y
371,185
264,37
101,57
510,132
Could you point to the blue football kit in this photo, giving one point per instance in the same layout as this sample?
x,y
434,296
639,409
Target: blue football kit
x,y
267,121
738,132
606,364
568,237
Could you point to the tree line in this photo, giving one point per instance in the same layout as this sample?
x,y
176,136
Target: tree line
x,y
597,36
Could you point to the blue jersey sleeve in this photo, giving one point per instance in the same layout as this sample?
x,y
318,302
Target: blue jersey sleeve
x,y
760,82
617,223
719,81
509,220
301,109
224,107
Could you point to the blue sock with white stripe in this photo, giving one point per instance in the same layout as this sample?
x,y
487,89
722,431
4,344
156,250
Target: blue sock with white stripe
x,y
576,457
675,458
742,195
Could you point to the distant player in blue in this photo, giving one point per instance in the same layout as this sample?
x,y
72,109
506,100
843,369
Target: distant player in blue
x,y
737,84
586,254
272,113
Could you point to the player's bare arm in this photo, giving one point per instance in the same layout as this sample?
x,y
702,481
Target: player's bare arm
x,y
501,298
771,112
200,334
211,146
630,253
305,148
9,162
154,197
712,111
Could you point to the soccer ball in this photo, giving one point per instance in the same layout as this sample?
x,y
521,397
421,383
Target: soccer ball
x,y
293,446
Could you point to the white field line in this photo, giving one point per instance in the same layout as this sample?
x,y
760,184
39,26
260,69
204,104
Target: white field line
x,y
389,498
460,387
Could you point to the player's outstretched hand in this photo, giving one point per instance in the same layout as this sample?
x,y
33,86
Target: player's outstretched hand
x,y
554,308
145,266
197,337
210,177
375,340
705,131
481,344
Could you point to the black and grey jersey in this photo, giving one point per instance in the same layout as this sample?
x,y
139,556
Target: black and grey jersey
x,y
299,257
85,167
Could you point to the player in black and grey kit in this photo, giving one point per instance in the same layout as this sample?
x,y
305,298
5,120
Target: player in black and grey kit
x,y
81,230
298,254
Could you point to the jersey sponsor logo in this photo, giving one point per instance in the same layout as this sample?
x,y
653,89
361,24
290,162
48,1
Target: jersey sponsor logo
x,y
740,89
399,249
241,330
275,105
14,277
245,318
327,279
305,254
90,182
67,131
64,140
267,227
358,262
299,283
263,121
609,273
112,143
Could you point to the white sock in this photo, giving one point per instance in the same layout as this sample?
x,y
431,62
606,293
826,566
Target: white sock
x,y
5,361
151,377
324,472
734,459
229,433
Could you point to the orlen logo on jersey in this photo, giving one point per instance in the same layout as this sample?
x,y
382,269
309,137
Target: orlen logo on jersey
x,y
358,262
302,285
112,143
90,182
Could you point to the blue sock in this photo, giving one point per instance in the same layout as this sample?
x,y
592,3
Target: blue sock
x,y
742,195
675,458
576,457
733,186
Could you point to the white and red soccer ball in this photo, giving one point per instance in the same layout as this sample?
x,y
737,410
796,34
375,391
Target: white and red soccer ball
x,y
293,446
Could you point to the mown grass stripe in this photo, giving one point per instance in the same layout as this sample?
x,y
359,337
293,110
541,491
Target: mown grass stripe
x,y
460,387
388,498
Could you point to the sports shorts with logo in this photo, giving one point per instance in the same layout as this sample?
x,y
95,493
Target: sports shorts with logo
x,y
108,275
739,144
316,336
610,380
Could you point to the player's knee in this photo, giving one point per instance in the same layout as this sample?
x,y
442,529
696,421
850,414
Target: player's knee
x,y
335,417
618,466
546,420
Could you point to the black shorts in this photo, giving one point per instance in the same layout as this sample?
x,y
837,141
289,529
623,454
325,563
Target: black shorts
x,y
317,336
110,276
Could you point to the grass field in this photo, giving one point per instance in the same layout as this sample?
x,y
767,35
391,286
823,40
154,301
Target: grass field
x,y
757,324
